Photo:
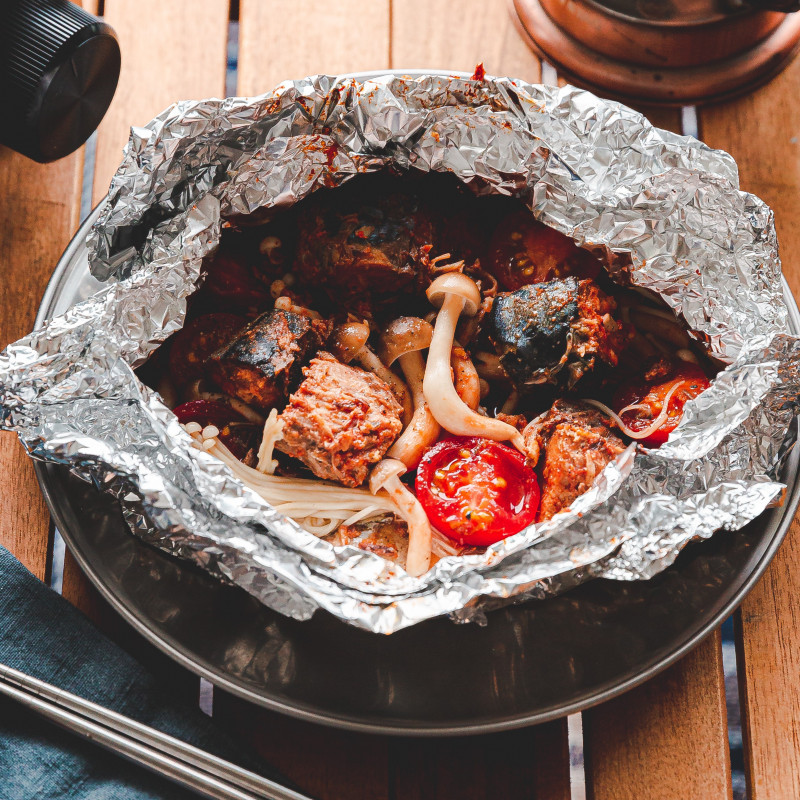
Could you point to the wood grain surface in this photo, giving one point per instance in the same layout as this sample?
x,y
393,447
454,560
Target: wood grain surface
x,y
654,756
171,51
529,764
457,35
157,69
665,740
38,216
762,132
534,763
326,37
326,763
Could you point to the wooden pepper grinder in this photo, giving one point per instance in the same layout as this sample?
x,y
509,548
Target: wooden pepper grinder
x,y
673,52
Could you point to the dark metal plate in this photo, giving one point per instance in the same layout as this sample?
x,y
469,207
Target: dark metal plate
x,y
533,662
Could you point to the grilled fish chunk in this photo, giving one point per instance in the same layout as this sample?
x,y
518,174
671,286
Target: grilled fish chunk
x,y
576,443
368,237
554,332
340,421
262,364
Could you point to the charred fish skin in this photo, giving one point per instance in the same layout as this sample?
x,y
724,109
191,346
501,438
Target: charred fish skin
x,y
363,241
263,363
531,329
553,332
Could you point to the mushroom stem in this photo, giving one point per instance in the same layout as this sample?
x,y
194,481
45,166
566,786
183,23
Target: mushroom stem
x,y
445,404
386,476
367,359
423,430
284,303
489,368
273,431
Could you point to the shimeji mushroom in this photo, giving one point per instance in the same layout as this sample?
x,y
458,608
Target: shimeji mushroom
x,y
349,343
456,293
386,476
403,341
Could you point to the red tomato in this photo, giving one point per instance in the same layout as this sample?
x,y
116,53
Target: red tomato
x,y
651,395
197,341
476,491
523,251
238,435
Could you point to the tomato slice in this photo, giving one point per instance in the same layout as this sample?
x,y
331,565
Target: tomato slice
x,y
524,250
197,341
650,395
235,432
476,491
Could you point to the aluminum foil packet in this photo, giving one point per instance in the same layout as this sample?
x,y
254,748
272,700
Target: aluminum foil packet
x,y
664,212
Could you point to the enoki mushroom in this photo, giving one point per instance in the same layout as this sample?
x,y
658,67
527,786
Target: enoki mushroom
x,y
273,432
652,427
318,506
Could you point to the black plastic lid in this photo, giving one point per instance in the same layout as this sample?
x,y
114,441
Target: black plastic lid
x,y
59,68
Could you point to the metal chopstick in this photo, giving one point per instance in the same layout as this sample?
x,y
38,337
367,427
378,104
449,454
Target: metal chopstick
x,y
165,755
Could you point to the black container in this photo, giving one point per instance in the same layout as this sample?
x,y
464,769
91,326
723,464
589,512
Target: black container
x,y
59,68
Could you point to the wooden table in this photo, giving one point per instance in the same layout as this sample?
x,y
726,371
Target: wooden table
x,y
666,739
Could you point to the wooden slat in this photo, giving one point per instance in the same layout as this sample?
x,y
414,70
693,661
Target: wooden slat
x,y
768,652
534,763
38,215
665,740
278,40
287,39
457,35
170,51
326,763
668,118
762,132
530,764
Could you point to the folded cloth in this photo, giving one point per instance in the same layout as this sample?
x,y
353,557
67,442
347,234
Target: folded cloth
x,y
43,635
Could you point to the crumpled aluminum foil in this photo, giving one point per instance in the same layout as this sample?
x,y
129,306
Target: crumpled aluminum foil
x,y
663,210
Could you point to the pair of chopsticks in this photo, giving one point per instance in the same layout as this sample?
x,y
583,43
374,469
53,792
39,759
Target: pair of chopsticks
x,y
171,758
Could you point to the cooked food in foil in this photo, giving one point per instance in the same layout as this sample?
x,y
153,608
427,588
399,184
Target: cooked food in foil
x,y
574,445
340,421
404,380
261,364
400,318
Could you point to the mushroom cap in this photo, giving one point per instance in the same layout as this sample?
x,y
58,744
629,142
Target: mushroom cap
x,y
459,284
348,339
404,335
383,471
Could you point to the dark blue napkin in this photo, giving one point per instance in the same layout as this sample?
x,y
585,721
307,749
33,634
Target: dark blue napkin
x,y
43,635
